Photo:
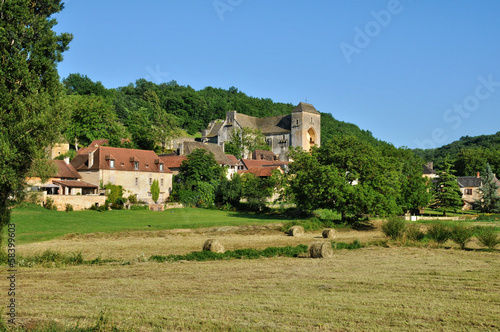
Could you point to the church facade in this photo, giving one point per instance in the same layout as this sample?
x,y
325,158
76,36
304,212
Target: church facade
x,y
301,128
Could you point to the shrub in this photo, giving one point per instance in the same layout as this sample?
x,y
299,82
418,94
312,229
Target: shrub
x,y
489,217
132,199
394,227
69,207
414,233
488,237
461,235
139,207
439,233
49,204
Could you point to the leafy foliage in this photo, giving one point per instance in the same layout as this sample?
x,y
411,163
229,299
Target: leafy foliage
x,y
490,200
488,237
352,177
29,90
439,233
394,227
461,235
155,190
446,191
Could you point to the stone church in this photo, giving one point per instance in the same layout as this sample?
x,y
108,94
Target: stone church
x,y
302,129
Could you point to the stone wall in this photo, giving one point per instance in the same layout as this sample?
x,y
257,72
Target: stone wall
x,y
79,202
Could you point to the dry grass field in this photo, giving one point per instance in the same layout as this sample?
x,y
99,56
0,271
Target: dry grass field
x,y
370,289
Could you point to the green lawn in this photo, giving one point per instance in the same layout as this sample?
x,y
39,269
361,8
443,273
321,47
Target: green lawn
x,y
34,223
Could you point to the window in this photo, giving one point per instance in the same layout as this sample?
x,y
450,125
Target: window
x,y
111,163
468,191
161,182
150,181
136,181
149,194
161,168
297,122
136,165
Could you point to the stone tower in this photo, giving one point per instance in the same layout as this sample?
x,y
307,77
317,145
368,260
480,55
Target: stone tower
x,y
306,127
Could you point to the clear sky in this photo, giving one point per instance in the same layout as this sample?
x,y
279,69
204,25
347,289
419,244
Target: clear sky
x,y
415,73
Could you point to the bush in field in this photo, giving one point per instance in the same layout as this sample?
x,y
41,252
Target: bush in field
x,y
461,235
414,233
69,207
49,204
439,233
488,237
394,227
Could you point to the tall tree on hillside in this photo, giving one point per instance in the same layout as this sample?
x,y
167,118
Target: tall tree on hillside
x,y
447,193
490,199
29,89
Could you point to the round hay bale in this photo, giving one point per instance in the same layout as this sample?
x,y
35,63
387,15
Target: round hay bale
x,y
296,231
320,250
329,233
213,245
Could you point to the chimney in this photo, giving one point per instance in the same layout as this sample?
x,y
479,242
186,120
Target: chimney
x,y
66,160
430,164
478,175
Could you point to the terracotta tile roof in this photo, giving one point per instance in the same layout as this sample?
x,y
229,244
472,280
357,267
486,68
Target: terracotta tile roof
x,y
249,163
233,159
66,171
173,161
260,171
74,184
124,160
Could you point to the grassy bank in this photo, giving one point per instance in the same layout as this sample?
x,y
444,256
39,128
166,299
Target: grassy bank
x,y
35,224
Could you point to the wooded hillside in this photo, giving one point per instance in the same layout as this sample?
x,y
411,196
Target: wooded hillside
x,y
149,113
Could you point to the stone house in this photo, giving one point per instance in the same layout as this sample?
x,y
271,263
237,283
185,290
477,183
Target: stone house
x,y
301,128
469,186
66,187
134,170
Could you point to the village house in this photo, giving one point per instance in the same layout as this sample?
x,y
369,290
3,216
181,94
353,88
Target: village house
x,y
66,187
301,128
134,170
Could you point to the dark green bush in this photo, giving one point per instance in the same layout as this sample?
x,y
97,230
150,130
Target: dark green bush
x,y
461,235
139,207
488,237
394,227
69,207
49,204
439,233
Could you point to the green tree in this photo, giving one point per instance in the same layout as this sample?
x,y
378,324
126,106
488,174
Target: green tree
x,y
490,199
229,191
255,190
91,118
245,141
200,165
29,90
82,85
447,193
155,190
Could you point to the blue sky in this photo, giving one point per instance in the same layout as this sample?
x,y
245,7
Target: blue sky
x,y
414,73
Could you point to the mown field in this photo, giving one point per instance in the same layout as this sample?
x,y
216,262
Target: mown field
x,y
383,286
